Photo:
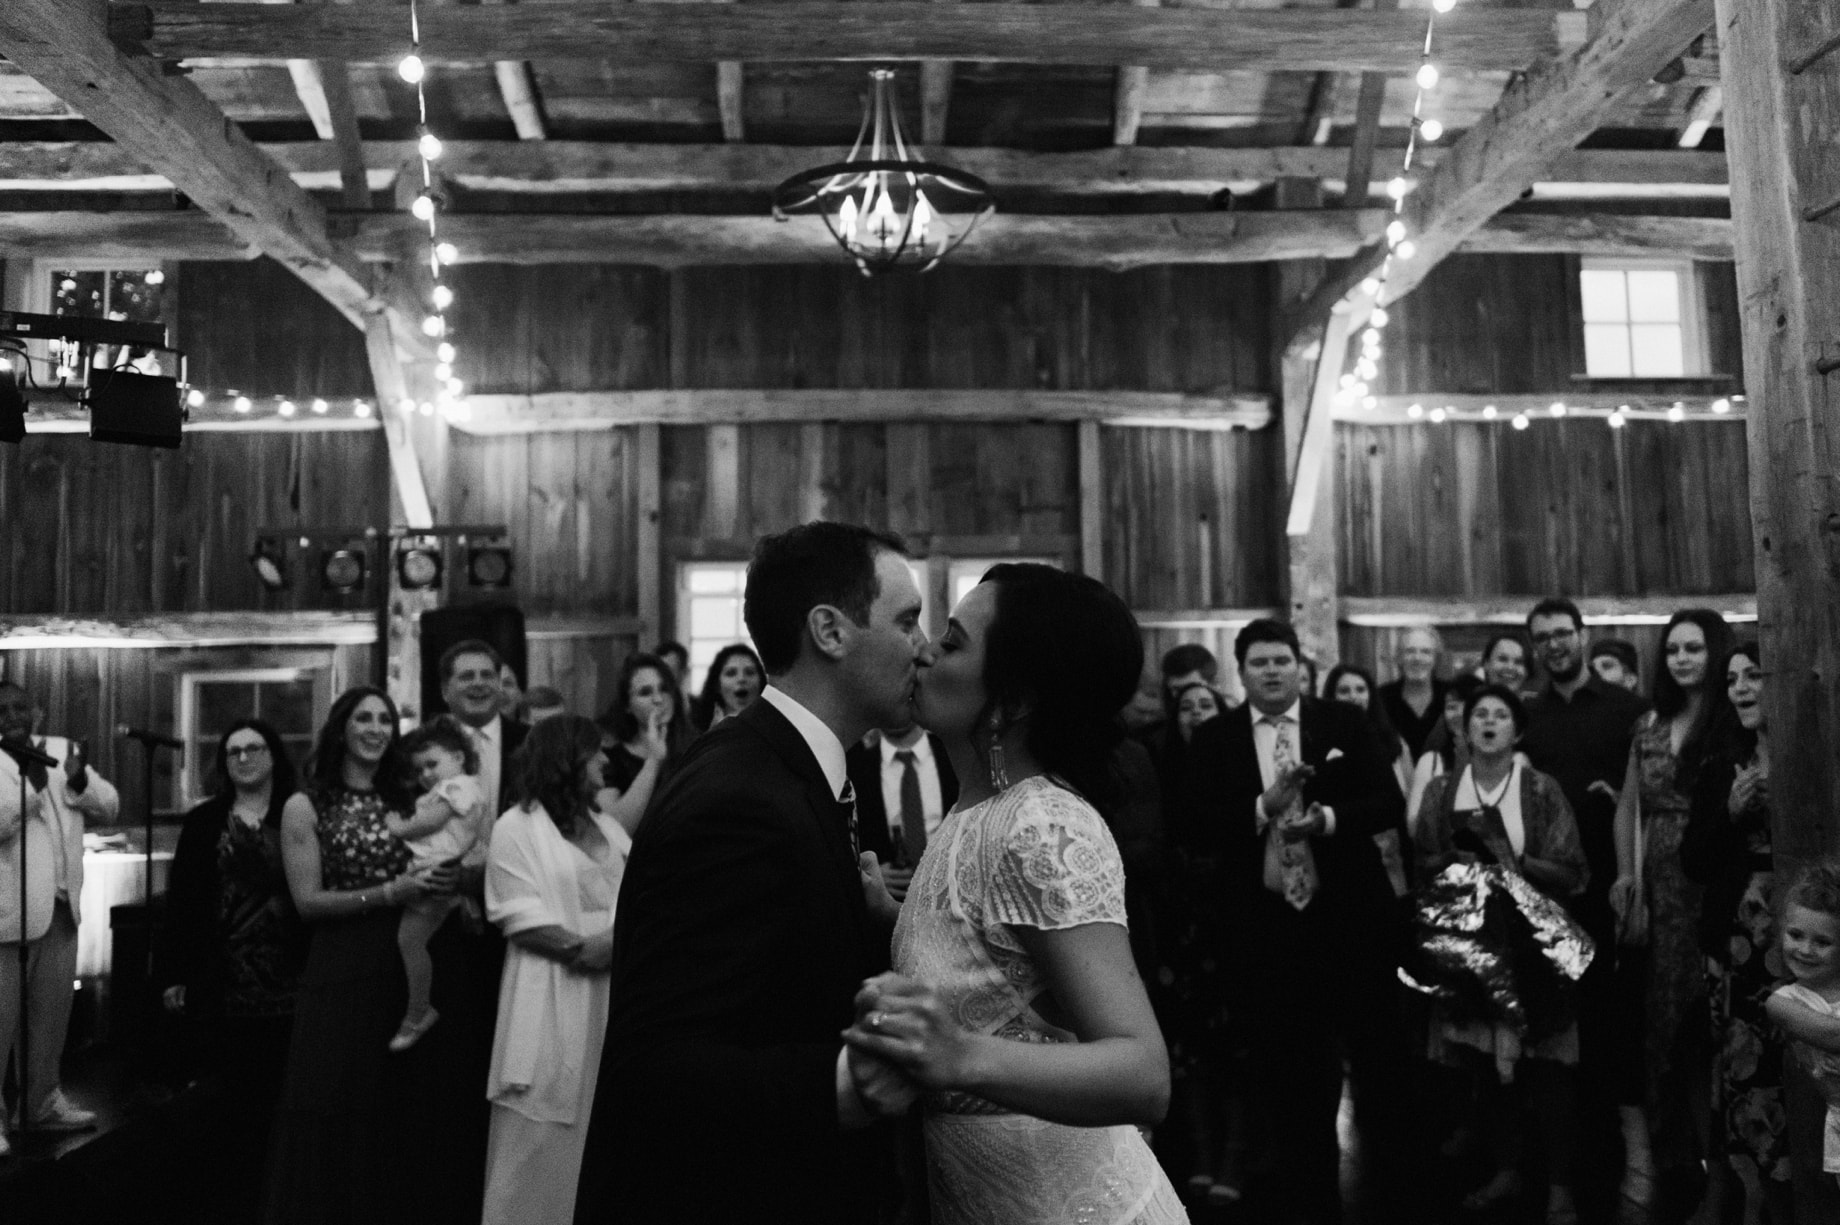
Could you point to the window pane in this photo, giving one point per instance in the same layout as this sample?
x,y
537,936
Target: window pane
x,y
220,705
1606,350
287,705
132,297
713,579
78,293
1657,350
1602,291
713,616
1654,296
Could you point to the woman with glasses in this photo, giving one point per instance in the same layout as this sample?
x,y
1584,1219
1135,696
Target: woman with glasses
x,y
230,954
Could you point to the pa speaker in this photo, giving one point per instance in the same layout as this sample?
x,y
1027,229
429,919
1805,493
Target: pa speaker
x,y
500,626
141,409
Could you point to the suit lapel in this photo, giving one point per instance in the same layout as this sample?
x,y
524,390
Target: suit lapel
x,y
790,747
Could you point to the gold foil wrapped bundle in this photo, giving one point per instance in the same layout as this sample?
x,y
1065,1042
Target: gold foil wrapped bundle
x,y
1493,948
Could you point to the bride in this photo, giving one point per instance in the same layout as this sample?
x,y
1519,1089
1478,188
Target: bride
x,y
1014,1003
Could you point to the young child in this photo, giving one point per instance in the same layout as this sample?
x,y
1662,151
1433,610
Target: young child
x,y
1808,1010
445,826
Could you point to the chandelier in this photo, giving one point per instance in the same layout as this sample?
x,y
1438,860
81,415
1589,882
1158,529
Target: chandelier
x,y
886,205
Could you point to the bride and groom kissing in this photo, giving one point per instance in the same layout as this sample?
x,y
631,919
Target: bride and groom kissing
x,y
756,1036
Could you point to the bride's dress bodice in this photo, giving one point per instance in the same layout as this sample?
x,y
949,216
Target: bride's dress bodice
x,y
1035,855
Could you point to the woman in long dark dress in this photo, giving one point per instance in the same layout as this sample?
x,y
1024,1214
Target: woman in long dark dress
x,y
229,961
1727,848
340,1154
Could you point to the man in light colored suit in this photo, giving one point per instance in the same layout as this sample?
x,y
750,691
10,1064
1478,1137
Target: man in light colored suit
x,y
46,840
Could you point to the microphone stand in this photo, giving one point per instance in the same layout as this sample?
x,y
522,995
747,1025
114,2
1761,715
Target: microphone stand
x,y
149,746
25,755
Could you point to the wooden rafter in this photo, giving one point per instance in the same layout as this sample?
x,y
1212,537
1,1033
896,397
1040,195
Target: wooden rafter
x,y
1128,95
586,166
1540,118
519,94
1213,40
181,134
681,241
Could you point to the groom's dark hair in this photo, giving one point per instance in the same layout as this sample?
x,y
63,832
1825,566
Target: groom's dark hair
x,y
797,570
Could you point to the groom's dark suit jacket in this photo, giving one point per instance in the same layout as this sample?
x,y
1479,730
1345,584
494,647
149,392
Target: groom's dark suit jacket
x,y
740,941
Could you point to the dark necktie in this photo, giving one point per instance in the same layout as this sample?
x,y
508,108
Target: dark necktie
x,y
913,811
846,807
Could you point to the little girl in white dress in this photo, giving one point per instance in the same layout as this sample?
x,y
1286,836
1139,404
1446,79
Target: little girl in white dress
x,y
445,826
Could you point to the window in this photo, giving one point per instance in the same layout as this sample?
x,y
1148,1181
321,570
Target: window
x,y
209,702
964,573
1641,320
709,612
137,295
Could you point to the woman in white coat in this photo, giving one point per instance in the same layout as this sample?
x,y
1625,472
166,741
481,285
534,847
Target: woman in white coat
x,y
552,878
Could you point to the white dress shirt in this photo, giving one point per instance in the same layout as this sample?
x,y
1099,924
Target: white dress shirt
x,y
932,798
1265,744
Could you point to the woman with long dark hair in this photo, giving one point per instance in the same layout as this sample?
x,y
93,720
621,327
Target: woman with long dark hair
x,y
734,680
338,1153
552,879
1728,849
1015,1003
229,957
1658,906
646,731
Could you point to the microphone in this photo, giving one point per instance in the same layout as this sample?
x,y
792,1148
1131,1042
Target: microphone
x,y
153,740
26,755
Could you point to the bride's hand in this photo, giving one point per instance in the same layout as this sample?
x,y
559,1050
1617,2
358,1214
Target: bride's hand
x,y
908,1024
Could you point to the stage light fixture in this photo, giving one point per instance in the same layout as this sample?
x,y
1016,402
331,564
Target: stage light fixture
x,y
142,409
418,565
269,560
342,570
488,565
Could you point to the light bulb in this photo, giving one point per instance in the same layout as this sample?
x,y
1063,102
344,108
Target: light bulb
x,y
285,408
1616,419
195,398
1415,411
1396,187
1521,422
423,207
443,371
443,297
1344,398
1443,6
1721,406
1370,403
1438,415
1347,381
1379,318
1366,369
1359,388
1395,231
430,146
427,408
446,252
1677,414
444,352
155,277
1427,76
456,387
1556,408
411,69
1430,131
242,404
433,326
360,409
406,407
1370,286
1406,249
318,405
1488,412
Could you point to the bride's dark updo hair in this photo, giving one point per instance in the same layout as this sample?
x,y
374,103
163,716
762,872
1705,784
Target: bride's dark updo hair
x,y
1064,648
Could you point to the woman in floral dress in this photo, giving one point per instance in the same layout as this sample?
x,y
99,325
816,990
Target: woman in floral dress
x,y
337,1147
1727,849
1015,1002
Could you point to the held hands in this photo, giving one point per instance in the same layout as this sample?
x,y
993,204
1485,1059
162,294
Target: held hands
x,y
905,1023
1287,790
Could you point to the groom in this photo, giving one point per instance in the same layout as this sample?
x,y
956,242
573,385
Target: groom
x,y
742,934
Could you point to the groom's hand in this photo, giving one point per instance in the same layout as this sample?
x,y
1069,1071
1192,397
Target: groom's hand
x,y
883,905
885,1089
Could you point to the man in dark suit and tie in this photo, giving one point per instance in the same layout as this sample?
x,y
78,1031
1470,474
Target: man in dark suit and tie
x,y
1289,794
904,788
743,933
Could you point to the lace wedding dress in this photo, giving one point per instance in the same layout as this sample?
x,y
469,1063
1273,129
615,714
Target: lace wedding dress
x,y
1036,855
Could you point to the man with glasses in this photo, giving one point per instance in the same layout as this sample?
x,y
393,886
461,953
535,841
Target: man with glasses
x,y
1578,731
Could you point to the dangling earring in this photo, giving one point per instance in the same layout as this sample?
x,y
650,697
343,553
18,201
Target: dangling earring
x,y
999,776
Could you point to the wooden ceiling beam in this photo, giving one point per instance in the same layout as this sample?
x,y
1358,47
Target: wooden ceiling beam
x,y
558,166
702,31
1541,117
675,240
181,134
519,93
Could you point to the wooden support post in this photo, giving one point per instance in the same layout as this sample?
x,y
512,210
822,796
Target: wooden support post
x,y
648,560
935,101
1128,96
1780,129
811,471
519,93
1092,501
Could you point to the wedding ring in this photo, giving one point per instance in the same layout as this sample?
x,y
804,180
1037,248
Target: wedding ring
x,y
875,1022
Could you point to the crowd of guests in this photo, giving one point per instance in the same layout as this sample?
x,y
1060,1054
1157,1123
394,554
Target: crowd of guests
x,y
396,959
